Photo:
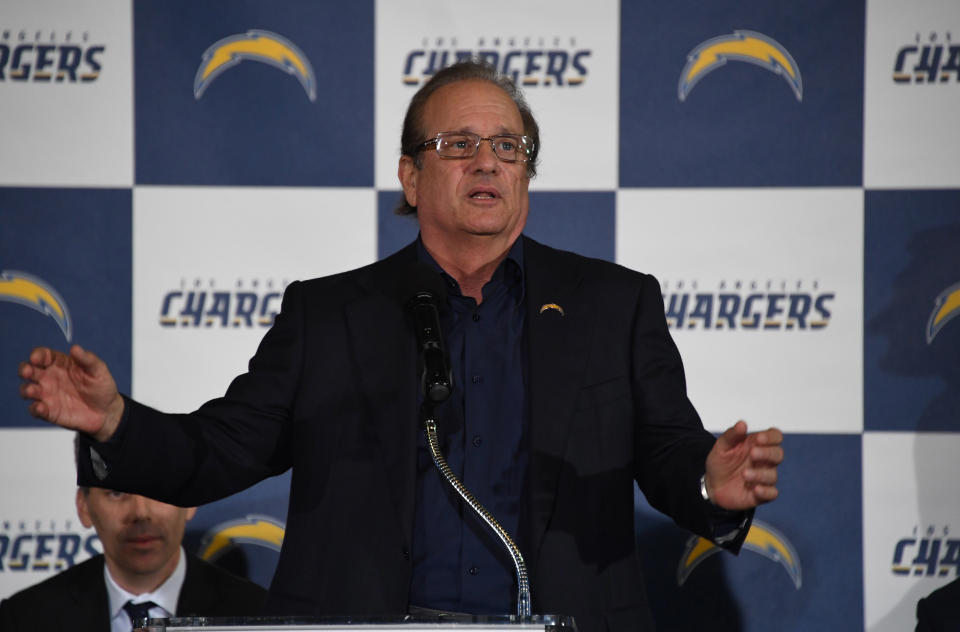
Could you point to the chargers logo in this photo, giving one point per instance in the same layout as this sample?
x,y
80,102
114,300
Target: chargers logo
x,y
251,304
22,288
529,61
257,530
263,46
929,554
762,539
52,56
749,46
45,546
945,309
933,62
755,305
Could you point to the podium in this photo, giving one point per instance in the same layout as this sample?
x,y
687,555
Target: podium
x,y
410,623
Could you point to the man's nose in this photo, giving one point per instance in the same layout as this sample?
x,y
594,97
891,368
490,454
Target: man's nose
x,y
486,159
139,508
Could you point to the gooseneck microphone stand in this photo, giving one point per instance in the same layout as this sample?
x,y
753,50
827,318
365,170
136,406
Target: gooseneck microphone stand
x,y
524,603
422,292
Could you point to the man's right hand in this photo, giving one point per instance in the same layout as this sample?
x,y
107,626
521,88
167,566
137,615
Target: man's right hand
x,y
74,391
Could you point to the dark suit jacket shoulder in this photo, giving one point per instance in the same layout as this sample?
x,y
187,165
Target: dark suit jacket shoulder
x,y
210,591
940,610
76,598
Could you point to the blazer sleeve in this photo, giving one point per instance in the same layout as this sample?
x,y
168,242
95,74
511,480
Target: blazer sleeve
x,y
671,445
227,445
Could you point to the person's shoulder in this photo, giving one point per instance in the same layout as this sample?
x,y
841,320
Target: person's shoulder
x,y
536,253
232,588
369,276
51,590
940,607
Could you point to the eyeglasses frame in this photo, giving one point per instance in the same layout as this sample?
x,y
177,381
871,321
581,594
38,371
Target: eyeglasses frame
x,y
476,149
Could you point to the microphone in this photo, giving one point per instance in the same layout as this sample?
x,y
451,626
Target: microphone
x,y
422,292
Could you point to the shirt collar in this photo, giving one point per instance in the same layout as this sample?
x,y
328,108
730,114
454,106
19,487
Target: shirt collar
x,y
165,596
509,271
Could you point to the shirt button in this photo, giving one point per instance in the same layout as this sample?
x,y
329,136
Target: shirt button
x,y
476,317
477,440
477,379
474,570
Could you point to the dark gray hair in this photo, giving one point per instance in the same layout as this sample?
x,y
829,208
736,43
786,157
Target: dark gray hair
x,y
475,69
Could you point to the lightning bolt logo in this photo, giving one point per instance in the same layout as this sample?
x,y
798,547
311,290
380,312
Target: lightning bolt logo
x,y
762,539
259,530
945,308
27,290
263,46
547,306
749,46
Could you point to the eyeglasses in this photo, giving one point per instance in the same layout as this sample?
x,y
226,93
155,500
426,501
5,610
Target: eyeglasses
x,y
507,147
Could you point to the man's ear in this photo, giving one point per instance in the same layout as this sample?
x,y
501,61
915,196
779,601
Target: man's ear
x,y
408,173
83,511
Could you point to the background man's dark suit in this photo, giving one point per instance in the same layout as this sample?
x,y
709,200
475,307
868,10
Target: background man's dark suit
x,y
76,599
332,393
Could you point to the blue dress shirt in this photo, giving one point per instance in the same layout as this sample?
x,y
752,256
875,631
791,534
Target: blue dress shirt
x,y
459,565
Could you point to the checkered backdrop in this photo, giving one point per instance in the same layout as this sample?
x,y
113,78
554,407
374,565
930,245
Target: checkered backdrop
x,y
787,170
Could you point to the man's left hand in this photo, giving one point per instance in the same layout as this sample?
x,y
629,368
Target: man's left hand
x,y
742,468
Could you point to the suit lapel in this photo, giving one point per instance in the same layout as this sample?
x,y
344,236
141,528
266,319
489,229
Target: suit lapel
x,y
196,595
90,608
559,344
386,354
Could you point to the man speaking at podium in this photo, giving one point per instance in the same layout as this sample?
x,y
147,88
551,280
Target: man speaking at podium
x,y
567,389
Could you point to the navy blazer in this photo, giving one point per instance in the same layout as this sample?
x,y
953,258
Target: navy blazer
x,y
331,392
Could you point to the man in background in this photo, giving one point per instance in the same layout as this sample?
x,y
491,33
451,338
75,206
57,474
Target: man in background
x,y
142,572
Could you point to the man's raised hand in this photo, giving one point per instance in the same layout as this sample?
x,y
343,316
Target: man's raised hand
x,y
75,391
741,469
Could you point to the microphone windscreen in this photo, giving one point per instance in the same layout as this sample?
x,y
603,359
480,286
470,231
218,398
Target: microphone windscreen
x,y
419,278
